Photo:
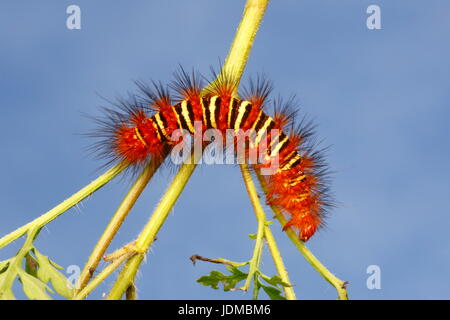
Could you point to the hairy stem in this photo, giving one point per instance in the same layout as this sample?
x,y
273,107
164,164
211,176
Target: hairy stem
x,y
116,222
261,216
323,271
245,36
148,234
105,273
65,205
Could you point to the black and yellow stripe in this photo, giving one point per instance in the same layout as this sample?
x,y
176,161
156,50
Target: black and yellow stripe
x,y
291,161
211,111
188,115
283,141
238,113
138,135
162,124
231,109
185,116
243,111
263,127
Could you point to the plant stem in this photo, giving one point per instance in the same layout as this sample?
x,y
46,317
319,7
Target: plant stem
x,y
279,264
105,273
148,234
245,36
323,271
65,205
235,64
116,222
261,216
256,257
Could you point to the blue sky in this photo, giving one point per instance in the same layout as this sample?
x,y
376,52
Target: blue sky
x,y
379,97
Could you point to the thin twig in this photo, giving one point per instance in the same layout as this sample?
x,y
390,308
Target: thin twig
x,y
196,257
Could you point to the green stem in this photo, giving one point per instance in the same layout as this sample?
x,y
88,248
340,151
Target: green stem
x,y
256,257
244,38
235,64
148,234
63,206
116,222
279,264
261,216
320,268
105,273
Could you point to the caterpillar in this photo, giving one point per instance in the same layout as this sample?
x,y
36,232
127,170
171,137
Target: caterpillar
x,y
140,129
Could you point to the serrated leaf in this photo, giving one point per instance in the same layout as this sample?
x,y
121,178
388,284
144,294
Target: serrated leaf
x,y
236,272
275,281
228,281
60,284
273,293
212,280
34,288
47,272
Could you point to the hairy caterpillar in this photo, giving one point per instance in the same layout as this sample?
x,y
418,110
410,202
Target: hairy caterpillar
x,y
142,129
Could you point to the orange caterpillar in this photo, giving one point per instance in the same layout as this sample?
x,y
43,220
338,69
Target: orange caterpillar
x,y
143,131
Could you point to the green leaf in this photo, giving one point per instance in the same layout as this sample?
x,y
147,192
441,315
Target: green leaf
x,y
47,272
5,293
34,288
273,293
274,281
228,281
212,280
236,272
61,284
252,236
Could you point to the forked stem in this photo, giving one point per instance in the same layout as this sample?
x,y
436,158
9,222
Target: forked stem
x,y
262,222
105,273
116,222
148,234
323,271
